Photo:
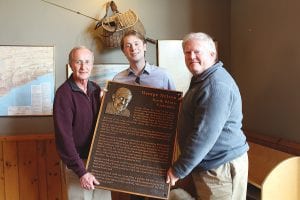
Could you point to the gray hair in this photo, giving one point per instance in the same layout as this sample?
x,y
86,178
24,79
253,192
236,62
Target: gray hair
x,y
210,44
77,48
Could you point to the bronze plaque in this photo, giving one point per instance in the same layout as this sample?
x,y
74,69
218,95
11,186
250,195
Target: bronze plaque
x,y
133,142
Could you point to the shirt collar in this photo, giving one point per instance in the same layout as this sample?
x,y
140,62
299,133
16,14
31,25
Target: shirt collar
x,y
75,88
146,70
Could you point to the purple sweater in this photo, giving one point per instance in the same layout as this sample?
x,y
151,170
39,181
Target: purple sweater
x,y
75,115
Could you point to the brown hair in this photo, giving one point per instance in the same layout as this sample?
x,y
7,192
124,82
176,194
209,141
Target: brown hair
x,y
135,33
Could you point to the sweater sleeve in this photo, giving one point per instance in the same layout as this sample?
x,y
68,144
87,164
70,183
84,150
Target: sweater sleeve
x,y
209,116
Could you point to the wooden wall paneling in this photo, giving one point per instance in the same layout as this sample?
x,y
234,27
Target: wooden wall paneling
x,y
2,186
28,173
41,162
11,175
53,172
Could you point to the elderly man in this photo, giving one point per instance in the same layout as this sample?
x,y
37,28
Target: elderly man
x,y
213,146
75,110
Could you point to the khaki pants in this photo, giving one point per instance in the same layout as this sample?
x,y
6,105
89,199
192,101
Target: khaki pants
x,y
75,192
227,182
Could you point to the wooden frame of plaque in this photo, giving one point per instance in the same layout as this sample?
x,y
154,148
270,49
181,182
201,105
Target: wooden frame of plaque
x,y
133,148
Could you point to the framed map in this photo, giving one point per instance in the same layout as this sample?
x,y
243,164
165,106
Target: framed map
x,y
26,80
102,73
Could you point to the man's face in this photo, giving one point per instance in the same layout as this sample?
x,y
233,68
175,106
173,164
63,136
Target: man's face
x,y
198,57
82,64
134,48
121,100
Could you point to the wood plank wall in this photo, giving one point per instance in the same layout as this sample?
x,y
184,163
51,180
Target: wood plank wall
x,y
30,168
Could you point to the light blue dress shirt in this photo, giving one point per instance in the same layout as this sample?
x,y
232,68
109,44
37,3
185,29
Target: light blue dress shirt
x,y
151,76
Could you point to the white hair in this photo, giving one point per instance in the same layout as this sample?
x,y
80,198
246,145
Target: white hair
x,y
200,37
